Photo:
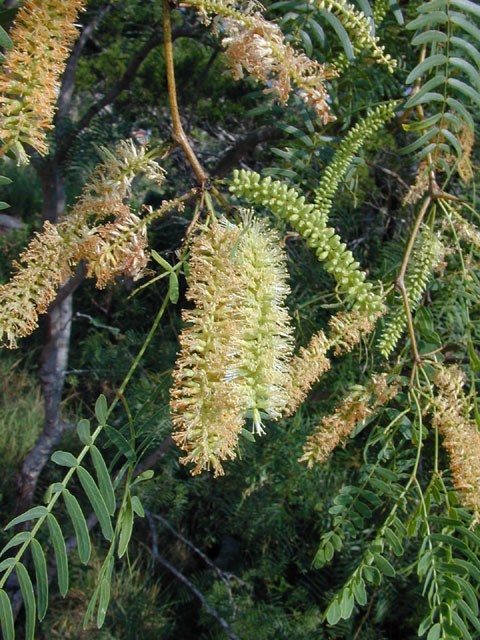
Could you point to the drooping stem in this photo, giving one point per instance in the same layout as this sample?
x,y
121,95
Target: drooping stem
x,y
400,282
178,134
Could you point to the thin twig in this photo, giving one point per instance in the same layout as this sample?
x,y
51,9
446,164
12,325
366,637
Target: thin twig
x,y
223,623
400,282
224,577
178,134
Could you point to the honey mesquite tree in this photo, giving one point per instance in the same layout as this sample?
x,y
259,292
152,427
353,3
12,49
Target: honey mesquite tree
x,y
347,88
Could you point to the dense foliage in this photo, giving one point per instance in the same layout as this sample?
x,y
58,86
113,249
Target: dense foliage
x,y
260,409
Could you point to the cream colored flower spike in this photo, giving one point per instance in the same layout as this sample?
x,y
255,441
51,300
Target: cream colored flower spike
x,y
234,359
43,32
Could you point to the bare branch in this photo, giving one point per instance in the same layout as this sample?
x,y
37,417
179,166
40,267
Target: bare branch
x,y
233,156
223,623
68,80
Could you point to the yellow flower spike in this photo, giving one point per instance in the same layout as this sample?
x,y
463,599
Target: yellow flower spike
x,y
461,438
335,428
42,34
234,358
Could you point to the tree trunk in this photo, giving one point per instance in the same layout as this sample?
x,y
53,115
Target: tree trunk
x,y
54,354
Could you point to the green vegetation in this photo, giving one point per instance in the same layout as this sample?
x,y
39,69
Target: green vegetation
x,y
244,237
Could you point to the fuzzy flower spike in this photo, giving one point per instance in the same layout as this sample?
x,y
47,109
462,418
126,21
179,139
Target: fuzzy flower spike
x,y
43,32
233,361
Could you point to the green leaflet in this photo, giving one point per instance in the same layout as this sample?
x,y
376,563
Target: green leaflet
x,y
97,501
18,538
80,526
6,616
426,65
467,47
467,6
32,514
41,578
122,444
26,588
466,67
104,591
464,88
126,527
341,32
64,459
104,480
101,409
58,542
83,431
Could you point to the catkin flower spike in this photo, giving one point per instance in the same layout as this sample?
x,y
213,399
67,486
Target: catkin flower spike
x,y
48,260
205,404
335,428
234,353
461,438
360,29
258,46
427,256
42,34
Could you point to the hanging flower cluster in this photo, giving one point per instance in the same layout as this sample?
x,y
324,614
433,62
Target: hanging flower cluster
x,y
235,349
461,438
335,428
258,46
42,34
109,249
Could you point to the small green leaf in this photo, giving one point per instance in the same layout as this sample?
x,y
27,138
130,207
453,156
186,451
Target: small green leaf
x,y
5,180
372,574
360,592
18,538
426,65
466,89
458,106
384,565
468,48
394,542
4,205
6,616
248,435
122,444
104,592
125,527
80,526
146,475
41,578
137,507
31,514
60,553
101,409
5,40
173,291
427,37
104,480
83,431
340,31
346,604
7,563
161,261
435,632
97,502
91,607
467,6
64,459
430,19
333,613
28,594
